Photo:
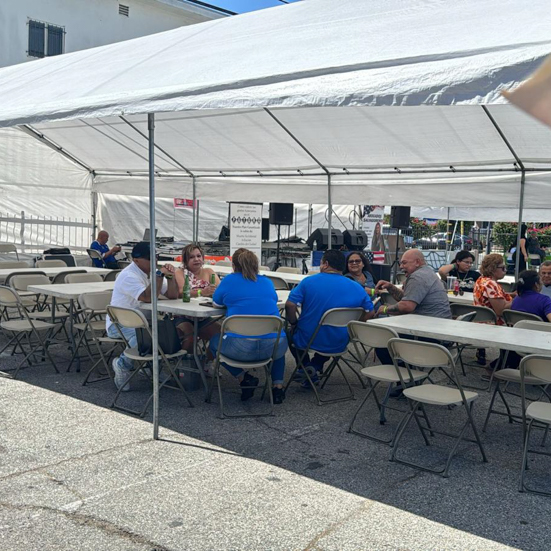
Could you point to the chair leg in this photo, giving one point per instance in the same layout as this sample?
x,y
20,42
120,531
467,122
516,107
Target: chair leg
x,y
490,408
524,463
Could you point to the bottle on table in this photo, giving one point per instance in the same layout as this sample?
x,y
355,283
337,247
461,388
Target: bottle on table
x,y
186,291
456,288
213,279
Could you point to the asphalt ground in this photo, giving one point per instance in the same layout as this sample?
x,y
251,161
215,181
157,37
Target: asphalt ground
x,y
75,474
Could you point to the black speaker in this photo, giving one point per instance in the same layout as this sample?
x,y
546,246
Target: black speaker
x,y
355,240
319,239
265,229
399,217
380,271
281,214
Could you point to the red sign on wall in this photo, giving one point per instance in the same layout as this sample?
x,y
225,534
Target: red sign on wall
x,y
183,203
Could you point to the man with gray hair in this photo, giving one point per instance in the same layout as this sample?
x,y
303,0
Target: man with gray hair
x,y
545,274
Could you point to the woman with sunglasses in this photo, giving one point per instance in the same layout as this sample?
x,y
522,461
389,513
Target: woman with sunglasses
x,y
487,291
358,269
461,268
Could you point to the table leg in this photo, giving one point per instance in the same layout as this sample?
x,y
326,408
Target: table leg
x,y
198,361
71,332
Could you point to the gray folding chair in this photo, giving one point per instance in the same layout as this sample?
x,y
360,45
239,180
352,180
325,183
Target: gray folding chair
x,y
538,414
29,300
371,336
288,270
387,299
401,279
8,248
512,317
279,283
336,317
51,264
9,264
83,278
251,327
95,255
134,319
433,356
507,286
94,309
112,275
23,330
124,263
510,375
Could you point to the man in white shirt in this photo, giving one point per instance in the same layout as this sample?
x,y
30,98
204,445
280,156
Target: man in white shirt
x,y
545,274
133,286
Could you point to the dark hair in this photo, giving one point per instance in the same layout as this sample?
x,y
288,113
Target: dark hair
x,y
462,255
246,263
335,259
141,250
363,258
187,250
527,279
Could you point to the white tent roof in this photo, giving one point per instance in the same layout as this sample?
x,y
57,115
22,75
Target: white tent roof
x,y
319,67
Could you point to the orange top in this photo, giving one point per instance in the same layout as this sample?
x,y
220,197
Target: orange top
x,y
486,288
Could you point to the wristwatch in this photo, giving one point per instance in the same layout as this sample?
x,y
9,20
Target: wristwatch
x,y
158,273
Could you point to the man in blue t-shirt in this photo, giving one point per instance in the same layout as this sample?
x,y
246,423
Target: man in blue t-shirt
x,y
317,294
108,254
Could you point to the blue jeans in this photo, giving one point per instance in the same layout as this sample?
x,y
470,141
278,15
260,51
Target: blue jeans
x,y
250,350
130,336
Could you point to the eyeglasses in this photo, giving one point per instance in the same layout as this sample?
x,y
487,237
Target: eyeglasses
x,y
358,261
501,267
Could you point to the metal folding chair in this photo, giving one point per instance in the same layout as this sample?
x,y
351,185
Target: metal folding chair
x,y
538,414
134,319
95,255
83,278
250,327
507,286
509,375
288,270
8,248
10,264
112,275
336,317
51,264
371,336
279,283
433,356
124,263
22,331
512,317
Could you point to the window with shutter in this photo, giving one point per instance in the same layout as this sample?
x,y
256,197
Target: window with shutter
x,y
36,39
55,40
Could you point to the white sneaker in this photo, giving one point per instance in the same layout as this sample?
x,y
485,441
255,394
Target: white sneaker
x,y
121,376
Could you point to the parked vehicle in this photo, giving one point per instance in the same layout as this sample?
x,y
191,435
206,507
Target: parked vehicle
x,y
438,241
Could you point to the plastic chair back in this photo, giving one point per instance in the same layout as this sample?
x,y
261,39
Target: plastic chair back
x,y
370,334
264,268
9,264
419,353
8,297
469,316
96,301
341,317
506,286
536,365
17,274
252,326
8,248
483,314
51,264
83,278
127,317
123,263
279,283
387,299
60,278
94,255
22,282
533,325
112,275
511,317
288,270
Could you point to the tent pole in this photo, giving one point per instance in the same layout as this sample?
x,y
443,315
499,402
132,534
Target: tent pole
x,y
197,222
153,277
193,236
522,183
330,215
94,214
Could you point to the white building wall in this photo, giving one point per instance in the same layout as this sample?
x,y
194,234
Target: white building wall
x,y
90,23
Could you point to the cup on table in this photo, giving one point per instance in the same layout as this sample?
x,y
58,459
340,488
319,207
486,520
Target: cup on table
x,y
451,284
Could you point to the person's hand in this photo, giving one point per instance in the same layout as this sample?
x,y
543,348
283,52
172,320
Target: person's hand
x,y
168,269
117,248
208,291
380,311
382,284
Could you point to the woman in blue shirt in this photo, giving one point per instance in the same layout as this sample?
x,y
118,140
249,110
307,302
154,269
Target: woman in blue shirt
x,y
358,269
245,292
529,298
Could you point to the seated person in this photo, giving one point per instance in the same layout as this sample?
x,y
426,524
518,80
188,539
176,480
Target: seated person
x,y
358,269
461,268
487,291
317,294
245,292
545,274
423,293
534,247
132,287
530,299
108,254
200,282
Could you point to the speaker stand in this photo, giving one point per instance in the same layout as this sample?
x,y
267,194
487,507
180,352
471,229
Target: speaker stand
x,y
277,263
395,265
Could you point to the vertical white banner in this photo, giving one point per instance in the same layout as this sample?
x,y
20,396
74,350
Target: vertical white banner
x,y
372,224
246,227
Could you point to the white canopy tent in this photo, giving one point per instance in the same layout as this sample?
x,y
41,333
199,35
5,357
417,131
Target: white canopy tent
x,y
278,105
